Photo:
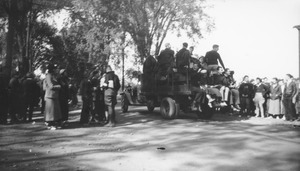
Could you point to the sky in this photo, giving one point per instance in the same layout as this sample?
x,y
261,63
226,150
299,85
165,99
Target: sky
x,y
256,37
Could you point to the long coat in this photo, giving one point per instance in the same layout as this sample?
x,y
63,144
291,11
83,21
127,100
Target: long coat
x,y
52,108
275,100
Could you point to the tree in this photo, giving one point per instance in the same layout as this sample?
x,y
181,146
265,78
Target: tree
x,y
20,15
149,21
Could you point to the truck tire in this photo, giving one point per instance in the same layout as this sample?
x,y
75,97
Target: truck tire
x,y
150,105
168,108
124,103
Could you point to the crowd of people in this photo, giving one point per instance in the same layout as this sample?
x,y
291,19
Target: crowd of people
x,y
55,93
210,79
211,82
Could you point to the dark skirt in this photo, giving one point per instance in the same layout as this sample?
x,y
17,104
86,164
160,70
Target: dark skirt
x,y
52,110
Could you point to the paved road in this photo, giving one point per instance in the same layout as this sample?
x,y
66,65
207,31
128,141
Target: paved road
x,y
143,141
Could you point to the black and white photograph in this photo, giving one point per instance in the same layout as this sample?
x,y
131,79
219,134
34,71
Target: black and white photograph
x,y
150,85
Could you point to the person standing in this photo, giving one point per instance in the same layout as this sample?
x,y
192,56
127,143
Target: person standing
x,y
52,107
111,87
96,97
14,98
289,98
63,81
246,90
3,99
86,90
30,88
183,58
149,70
274,108
213,59
260,90
165,61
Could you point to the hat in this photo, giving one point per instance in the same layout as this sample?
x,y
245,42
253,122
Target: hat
x,y
62,71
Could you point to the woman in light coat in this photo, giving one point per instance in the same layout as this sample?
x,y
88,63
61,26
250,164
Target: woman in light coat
x,y
52,107
274,109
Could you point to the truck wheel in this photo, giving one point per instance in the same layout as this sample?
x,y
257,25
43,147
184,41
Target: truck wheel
x,y
207,112
124,103
168,108
150,105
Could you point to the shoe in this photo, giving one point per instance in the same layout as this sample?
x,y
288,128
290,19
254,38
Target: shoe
x,y
237,107
110,124
223,104
53,128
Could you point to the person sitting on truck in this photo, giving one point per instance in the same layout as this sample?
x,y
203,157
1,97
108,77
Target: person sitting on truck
x,y
219,82
234,95
165,61
182,58
195,87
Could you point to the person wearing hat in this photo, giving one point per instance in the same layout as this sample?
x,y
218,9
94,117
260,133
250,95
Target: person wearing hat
x,y
30,87
52,107
63,81
111,85
289,98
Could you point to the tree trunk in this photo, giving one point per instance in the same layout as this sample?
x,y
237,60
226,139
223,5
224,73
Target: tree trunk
x,y
10,39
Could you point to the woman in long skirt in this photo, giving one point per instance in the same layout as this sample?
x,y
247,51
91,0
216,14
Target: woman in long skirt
x,y
52,107
275,99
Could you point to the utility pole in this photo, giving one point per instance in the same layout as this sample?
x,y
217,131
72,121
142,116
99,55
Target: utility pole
x,y
298,27
123,59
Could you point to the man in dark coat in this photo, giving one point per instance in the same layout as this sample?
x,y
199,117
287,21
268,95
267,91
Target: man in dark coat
x,y
247,93
29,95
196,78
96,97
183,58
111,87
149,70
213,58
3,99
165,61
15,92
86,90
63,81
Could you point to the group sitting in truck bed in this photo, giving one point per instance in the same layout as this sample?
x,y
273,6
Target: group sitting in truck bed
x,y
207,78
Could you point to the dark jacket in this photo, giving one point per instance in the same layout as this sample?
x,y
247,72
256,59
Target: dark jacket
x,y
195,78
219,79
246,90
86,89
290,90
262,88
149,65
212,58
3,91
182,58
30,88
166,57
